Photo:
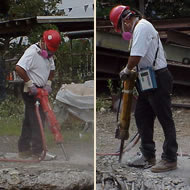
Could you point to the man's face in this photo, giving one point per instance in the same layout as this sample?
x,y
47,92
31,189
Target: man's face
x,y
50,53
127,25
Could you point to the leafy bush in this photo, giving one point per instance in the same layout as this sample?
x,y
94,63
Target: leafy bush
x,y
11,107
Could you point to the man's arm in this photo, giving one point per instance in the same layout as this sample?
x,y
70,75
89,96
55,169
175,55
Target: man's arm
x,y
22,73
51,75
133,61
28,84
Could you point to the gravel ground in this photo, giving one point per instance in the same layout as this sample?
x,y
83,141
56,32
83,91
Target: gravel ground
x,y
112,175
77,173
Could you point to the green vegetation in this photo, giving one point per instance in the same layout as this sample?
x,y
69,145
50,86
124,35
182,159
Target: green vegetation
x,y
102,102
153,9
11,118
74,59
10,126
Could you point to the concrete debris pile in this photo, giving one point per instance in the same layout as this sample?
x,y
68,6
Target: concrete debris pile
x,y
12,178
114,176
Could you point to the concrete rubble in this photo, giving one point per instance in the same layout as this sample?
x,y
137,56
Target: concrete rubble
x,y
68,179
113,175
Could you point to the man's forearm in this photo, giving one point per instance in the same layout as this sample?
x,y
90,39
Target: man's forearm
x,y
133,61
51,75
22,73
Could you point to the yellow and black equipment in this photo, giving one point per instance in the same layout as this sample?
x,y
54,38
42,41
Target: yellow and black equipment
x,y
125,115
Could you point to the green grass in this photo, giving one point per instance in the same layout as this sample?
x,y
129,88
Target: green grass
x,y
11,117
69,133
10,126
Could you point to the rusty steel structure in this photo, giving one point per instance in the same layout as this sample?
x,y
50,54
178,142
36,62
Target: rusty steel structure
x,y
180,24
112,54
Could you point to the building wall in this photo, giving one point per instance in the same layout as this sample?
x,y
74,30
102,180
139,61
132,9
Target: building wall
x,y
77,8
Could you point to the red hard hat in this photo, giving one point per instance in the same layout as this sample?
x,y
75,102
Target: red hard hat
x,y
52,39
115,14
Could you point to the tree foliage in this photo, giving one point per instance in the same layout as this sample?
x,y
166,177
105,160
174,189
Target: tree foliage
x,y
74,59
168,9
161,9
28,8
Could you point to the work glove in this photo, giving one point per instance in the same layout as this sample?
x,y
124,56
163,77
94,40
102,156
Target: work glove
x,y
48,87
32,88
125,74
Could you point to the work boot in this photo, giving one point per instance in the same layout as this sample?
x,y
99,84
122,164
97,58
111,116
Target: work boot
x,y
48,157
164,166
140,161
25,154
36,156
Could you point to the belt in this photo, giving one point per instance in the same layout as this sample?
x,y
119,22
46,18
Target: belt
x,y
38,86
161,70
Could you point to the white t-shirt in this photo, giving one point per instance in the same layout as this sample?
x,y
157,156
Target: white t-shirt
x,y
145,44
36,67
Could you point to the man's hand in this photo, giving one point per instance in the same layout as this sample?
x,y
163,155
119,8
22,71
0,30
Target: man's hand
x,y
125,73
48,87
32,88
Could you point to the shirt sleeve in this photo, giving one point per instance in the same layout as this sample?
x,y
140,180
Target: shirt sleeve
x,y
26,60
141,40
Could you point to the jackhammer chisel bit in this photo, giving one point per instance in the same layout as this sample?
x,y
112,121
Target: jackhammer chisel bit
x,y
63,149
121,149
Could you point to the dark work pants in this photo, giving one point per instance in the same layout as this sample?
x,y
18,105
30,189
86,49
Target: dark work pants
x,y
152,104
30,139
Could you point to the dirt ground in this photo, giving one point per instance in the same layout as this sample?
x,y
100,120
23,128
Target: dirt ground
x,y
77,173
106,143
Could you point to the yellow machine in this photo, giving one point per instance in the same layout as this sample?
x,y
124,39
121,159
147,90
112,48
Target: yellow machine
x,y
125,115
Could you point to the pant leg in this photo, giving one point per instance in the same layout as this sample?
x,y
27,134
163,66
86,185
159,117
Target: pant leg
x,y
31,134
24,143
145,117
37,146
161,104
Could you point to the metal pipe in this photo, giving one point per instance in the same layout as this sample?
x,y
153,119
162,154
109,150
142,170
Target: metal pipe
x,y
80,34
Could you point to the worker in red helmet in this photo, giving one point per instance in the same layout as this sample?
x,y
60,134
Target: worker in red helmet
x,y
36,68
154,85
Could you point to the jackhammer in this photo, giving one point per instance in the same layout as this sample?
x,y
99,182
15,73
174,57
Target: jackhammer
x,y
42,97
122,131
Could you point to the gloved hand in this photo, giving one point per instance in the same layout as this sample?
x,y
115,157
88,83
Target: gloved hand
x,y
125,73
48,87
32,88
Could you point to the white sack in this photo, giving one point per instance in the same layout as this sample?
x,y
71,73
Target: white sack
x,y
76,99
